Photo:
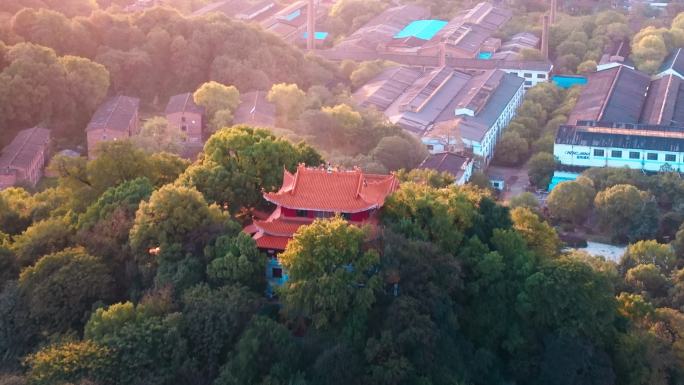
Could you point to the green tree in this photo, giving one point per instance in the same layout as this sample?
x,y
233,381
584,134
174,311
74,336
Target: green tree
x,y
441,216
570,201
239,162
178,223
649,252
569,296
146,347
525,199
68,362
212,322
366,71
624,210
265,354
61,289
219,101
540,237
329,275
512,149
647,280
587,66
431,178
396,152
156,136
165,168
87,84
42,238
236,260
540,169
16,209
18,332
289,101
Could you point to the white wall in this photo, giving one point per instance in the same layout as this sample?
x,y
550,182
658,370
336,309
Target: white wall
x,y
585,156
532,78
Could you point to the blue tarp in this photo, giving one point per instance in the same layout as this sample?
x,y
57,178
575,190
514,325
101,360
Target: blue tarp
x,y
560,177
564,81
485,55
421,29
317,35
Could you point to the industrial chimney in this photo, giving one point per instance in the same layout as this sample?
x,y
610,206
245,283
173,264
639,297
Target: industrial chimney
x,y
545,36
311,26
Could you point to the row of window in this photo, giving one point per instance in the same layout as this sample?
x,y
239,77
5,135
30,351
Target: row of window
x,y
539,76
635,155
321,214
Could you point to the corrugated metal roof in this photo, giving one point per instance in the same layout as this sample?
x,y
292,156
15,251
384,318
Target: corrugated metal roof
x,y
674,61
183,103
616,95
24,148
116,113
643,137
445,162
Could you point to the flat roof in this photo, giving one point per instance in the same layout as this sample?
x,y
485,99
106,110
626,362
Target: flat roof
x,y
421,29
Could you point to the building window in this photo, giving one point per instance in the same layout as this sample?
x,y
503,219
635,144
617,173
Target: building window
x,y
183,119
634,155
598,152
527,75
277,272
346,216
528,82
616,154
652,156
184,128
541,76
670,157
430,147
302,213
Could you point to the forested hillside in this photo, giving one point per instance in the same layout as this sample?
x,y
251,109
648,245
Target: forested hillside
x,y
150,55
133,267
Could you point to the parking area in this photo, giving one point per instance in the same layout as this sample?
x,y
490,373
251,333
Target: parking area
x,y
515,180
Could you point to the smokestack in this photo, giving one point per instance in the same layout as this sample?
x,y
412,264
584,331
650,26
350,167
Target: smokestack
x,y
442,54
545,37
554,9
311,26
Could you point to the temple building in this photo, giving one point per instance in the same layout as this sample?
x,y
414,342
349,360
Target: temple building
x,y
312,193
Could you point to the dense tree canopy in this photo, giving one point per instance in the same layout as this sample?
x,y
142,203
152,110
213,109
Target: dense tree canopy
x,y
330,275
240,161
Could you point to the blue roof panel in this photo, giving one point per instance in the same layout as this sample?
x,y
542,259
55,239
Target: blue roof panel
x,y
421,29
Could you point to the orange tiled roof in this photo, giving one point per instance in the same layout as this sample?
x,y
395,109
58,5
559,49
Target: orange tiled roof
x,y
280,227
334,191
265,241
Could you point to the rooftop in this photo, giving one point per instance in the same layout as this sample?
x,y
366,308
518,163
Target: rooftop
x,y
628,136
22,151
255,109
449,162
239,9
116,113
382,28
385,88
613,95
183,103
421,29
320,189
675,61
493,91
